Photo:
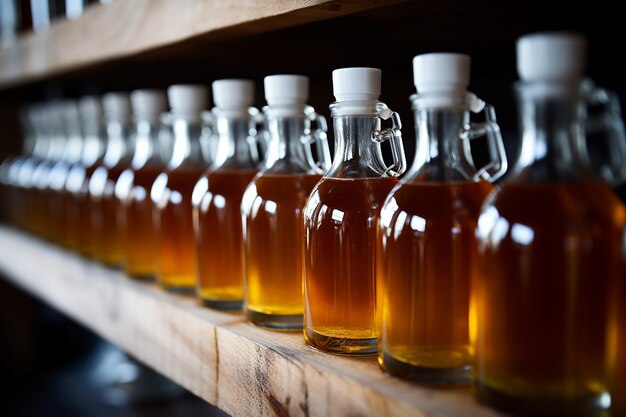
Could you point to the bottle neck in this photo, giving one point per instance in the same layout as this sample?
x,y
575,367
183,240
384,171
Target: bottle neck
x,y
356,154
234,149
286,151
441,155
187,149
94,142
118,146
58,146
551,134
41,146
146,143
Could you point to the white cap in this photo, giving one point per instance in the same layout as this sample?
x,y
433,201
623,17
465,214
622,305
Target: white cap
x,y
356,84
148,104
441,72
233,96
90,107
187,100
556,56
116,107
286,89
287,94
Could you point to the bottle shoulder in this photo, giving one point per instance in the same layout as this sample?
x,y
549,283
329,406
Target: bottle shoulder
x,y
558,207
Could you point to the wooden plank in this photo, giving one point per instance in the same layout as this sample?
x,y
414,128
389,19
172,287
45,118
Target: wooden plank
x,y
242,369
129,27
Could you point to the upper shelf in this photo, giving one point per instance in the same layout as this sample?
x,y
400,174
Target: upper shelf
x,y
129,27
240,368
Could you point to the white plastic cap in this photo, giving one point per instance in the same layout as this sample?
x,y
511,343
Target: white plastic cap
x,y
283,90
90,107
446,73
551,56
233,94
148,104
187,100
356,84
116,107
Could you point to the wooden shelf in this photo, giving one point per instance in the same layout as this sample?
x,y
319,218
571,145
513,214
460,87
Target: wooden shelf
x,y
129,27
242,369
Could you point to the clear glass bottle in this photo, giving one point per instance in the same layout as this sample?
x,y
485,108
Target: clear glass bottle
x,y
172,189
44,214
23,173
549,245
427,248
78,206
340,218
11,170
60,199
217,196
273,203
38,204
117,157
140,250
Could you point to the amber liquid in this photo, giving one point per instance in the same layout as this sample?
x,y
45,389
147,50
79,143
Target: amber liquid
x,y
427,260
549,254
140,236
86,233
177,252
109,246
273,249
219,239
340,222
618,396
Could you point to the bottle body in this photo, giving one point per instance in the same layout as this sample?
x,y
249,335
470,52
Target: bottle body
x,y
340,220
273,217
217,214
171,194
549,255
106,224
219,237
427,253
340,237
137,212
556,248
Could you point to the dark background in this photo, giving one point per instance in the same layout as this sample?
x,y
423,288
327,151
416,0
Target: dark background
x,y
44,357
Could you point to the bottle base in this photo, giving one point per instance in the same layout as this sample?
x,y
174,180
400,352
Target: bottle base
x,y
141,278
426,375
594,405
341,345
178,289
285,322
222,304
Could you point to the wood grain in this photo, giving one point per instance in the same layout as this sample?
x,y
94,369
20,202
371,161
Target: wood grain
x,y
240,368
128,27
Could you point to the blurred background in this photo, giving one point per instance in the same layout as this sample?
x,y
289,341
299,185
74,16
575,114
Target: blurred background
x,y
49,365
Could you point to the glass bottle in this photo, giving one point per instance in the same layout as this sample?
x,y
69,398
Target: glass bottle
x,y
117,157
172,189
427,248
78,207
23,173
549,245
60,198
217,196
340,218
135,208
273,203
11,169
39,201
